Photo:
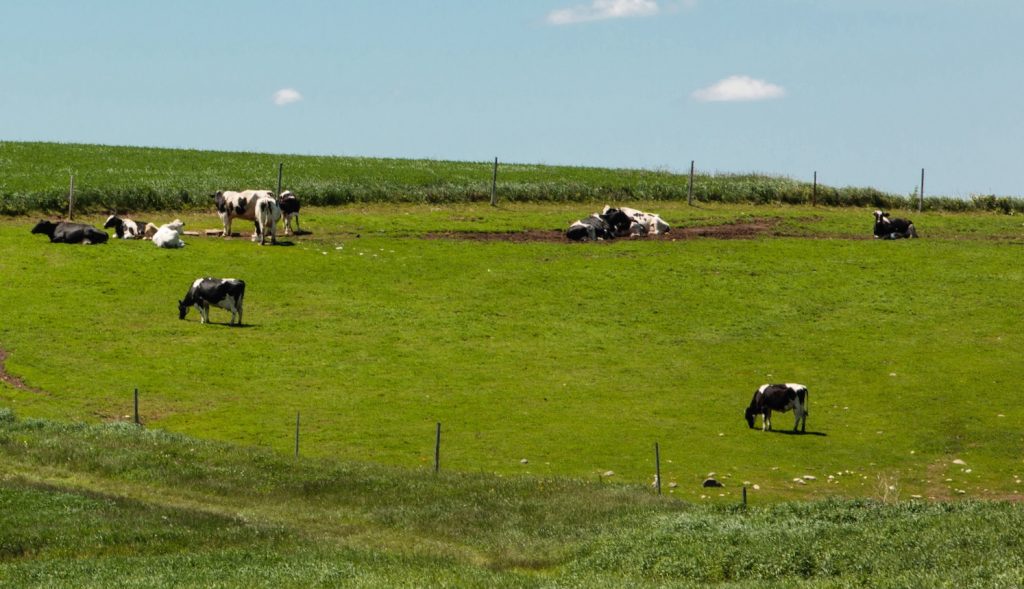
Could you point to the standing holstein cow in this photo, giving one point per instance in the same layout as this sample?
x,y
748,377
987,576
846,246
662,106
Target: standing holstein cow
x,y
886,228
778,397
268,213
65,232
231,204
226,293
290,206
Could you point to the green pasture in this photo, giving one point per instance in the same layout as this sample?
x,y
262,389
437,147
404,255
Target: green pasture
x,y
553,358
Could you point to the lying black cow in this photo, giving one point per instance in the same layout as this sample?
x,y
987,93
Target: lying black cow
x,y
226,293
886,228
592,228
65,232
778,397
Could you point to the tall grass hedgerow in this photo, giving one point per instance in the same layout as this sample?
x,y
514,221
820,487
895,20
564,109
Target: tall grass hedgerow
x,y
35,178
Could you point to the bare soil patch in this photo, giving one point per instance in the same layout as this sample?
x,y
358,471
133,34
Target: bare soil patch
x,y
749,230
12,380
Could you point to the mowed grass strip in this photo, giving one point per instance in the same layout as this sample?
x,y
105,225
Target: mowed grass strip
x,y
574,357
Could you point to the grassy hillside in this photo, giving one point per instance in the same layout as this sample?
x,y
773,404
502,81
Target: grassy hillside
x,y
35,177
574,357
116,505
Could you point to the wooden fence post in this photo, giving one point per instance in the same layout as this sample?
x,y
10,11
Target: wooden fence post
x,y
494,185
744,495
71,199
137,422
657,467
437,449
814,193
280,173
920,198
689,188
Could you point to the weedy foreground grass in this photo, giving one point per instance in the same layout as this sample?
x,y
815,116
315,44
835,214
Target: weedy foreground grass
x,y
117,505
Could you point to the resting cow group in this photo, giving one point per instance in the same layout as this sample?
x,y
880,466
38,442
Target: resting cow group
x,y
616,222
259,206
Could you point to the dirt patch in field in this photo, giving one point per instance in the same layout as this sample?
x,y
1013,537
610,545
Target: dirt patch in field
x,y
749,230
12,380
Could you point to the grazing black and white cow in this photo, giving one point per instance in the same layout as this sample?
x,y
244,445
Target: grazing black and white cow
x,y
289,204
242,205
778,397
886,228
268,213
129,229
226,293
591,228
65,232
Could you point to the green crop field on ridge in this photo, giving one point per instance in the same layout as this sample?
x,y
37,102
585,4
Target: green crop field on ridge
x,y
36,177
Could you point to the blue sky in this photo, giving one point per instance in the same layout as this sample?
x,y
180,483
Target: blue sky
x,y
865,92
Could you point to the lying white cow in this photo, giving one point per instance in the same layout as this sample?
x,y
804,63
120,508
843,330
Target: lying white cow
x,y
231,204
169,235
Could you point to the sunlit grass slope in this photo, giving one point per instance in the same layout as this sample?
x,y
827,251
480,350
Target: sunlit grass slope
x,y
576,358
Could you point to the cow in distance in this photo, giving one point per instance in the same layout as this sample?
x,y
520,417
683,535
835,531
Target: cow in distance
x,y
226,293
781,398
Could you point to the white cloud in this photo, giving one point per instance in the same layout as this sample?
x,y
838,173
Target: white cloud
x,y
602,10
739,88
286,96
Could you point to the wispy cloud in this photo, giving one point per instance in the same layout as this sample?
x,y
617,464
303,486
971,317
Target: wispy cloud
x,y
739,88
286,96
602,10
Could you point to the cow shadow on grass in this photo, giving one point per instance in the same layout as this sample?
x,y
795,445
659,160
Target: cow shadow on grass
x,y
789,432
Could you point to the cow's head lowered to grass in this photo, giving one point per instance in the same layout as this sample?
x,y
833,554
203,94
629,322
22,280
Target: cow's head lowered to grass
x,y
778,397
226,293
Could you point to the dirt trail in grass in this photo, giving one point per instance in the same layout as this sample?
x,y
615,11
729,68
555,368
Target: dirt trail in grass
x,y
12,380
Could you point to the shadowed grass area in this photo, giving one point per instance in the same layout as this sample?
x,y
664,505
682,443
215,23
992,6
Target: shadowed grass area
x,y
103,505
